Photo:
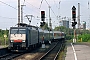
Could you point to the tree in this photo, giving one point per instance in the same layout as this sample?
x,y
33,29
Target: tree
x,y
2,33
45,26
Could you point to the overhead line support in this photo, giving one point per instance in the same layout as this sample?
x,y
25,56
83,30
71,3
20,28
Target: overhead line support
x,y
18,13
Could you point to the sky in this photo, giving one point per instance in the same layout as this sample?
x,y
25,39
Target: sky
x,y
9,11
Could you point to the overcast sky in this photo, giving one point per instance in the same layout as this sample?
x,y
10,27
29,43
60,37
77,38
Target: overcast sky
x,y
9,17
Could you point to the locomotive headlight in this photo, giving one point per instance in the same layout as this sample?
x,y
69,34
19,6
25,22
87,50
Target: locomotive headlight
x,y
23,40
11,40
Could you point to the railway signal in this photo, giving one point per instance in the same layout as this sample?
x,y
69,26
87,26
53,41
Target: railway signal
x,y
74,23
42,18
42,15
74,17
42,24
73,12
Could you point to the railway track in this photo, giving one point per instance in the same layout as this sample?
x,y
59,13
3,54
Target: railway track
x,y
52,53
10,56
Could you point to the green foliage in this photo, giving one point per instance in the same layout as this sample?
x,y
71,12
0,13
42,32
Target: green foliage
x,y
46,26
84,34
69,37
2,38
85,37
88,40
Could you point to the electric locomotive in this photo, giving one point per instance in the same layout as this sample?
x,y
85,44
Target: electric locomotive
x,y
23,38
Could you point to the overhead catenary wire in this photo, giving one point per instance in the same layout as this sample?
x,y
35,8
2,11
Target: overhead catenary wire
x,y
16,8
35,6
8,5
41,4
24,3
55,3
29,9
7,17
51,8
32,6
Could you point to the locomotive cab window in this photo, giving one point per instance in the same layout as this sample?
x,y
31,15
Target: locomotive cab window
x,y
18,31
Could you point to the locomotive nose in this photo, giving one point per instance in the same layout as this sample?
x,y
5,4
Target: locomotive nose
x,y
17,40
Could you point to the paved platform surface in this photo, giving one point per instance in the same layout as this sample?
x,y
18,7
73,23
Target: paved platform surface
x,y
77,52
2,46
69,54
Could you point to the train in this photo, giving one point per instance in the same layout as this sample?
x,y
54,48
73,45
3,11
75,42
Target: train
x,y
59,35
27,37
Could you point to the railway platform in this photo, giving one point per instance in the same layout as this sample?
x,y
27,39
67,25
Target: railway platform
x,y
69,53
2,46
77,52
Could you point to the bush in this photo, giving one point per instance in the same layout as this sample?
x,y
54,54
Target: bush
x,y
85,37
69,37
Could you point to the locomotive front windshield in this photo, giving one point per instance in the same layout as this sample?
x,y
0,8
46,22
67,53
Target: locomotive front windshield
x,y
17,34
17,31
